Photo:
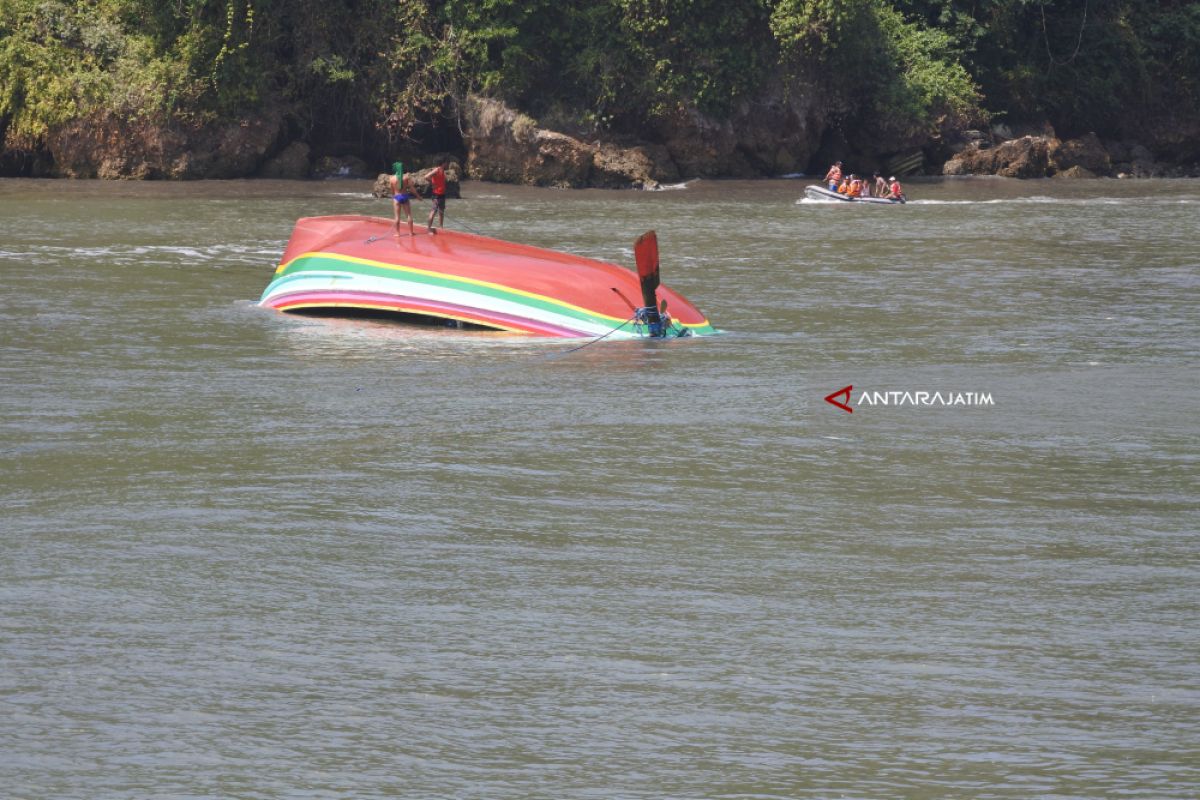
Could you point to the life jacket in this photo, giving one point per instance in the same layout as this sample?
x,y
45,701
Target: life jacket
x,y
844,187
835,175
855,189
895,189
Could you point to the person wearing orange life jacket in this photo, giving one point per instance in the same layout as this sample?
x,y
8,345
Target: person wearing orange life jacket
x,y
855,188
844,186
895,191
834,176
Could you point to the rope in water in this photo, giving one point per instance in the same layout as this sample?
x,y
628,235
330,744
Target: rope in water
x,y
520,363
598,338
471,228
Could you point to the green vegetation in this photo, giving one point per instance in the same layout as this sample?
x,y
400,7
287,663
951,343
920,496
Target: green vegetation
x,y
896,78
904,69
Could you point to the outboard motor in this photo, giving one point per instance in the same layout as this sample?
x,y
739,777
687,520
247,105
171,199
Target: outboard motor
x,y
645,252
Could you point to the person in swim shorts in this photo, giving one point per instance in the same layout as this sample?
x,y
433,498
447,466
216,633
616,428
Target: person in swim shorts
x,y
403,192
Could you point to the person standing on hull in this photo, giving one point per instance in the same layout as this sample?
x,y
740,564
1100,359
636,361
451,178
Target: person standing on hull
x,y
402,195
437,182
834,176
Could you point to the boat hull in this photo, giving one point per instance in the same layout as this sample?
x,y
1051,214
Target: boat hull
x,y
357,263
821,193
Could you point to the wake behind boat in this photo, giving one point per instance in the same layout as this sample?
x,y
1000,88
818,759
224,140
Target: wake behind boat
x,y
352,265
815,192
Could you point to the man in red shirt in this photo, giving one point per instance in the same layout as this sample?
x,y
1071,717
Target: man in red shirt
x,y
437,182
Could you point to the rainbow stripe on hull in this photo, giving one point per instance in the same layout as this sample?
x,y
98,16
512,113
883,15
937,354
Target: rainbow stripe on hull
x,y
358,263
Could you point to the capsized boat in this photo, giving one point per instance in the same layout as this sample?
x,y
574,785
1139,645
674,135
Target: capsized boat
x,y
821,193
350,265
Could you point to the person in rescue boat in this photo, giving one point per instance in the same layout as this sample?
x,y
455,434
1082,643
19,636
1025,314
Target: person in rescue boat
x,y
834,177
881,187
856,187
895,191
403,192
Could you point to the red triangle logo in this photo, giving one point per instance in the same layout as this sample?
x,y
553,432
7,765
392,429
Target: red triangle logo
x,y
844,391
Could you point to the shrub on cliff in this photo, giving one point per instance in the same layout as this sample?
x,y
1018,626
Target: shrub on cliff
x,y
887,78
62,61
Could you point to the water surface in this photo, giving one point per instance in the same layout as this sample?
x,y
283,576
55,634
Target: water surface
x,y
252,555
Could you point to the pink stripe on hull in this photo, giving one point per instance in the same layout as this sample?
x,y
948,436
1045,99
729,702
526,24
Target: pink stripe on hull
x,y
416,304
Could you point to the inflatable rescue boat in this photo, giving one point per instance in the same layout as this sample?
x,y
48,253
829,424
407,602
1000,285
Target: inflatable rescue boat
x,y
821,193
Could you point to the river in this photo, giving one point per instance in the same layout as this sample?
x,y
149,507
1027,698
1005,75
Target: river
x,y
252,555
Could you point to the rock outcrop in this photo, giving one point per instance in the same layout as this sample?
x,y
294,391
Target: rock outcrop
x,y
702,146
766,137
774,133
642,166
1043,155
1026,157
507,146
107,146
1081,157
1134,161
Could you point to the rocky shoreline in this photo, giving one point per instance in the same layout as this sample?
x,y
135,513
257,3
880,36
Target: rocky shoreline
x,y
1043,155
503,145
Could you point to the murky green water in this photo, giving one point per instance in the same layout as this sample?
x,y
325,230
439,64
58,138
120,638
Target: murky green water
x,y
256,556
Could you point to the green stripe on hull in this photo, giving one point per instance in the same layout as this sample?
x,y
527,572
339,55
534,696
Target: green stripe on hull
x,y
332,264
334,267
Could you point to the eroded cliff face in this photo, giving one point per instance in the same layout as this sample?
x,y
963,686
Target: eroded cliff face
x,y
785,128
775,134
107,146
507,146
765,136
